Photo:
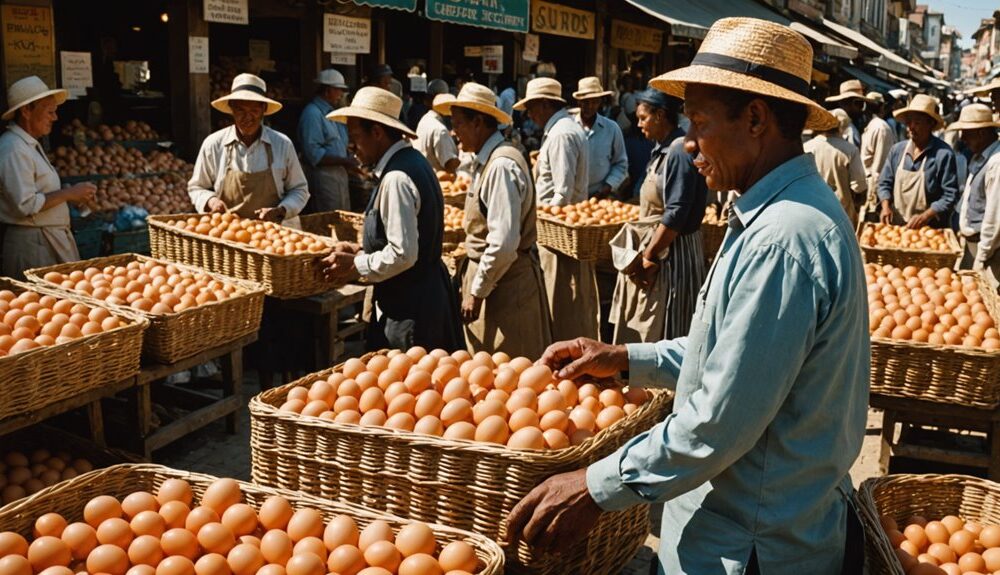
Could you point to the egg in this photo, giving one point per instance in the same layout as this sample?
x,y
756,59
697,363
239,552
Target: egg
x,y
179,542
942,552
305,523
145,550
460,430
427,403
305,564
952,523
148,523
415,538
961,541
506,379
240,518
115,531
79,537
383,554
455,389
458,556
216,538
275,512
56,570
558,420
15,565
174,513
47,551
245,559
346,559
176,565
12,544
109,559
199,517
609,416
493,429
420,564
582,418
526,438
523,417
536,377
377,530
555,439
212,564
971,561
375,417
455,411
50,524
991,556
221,494
551,400
101,508
139,570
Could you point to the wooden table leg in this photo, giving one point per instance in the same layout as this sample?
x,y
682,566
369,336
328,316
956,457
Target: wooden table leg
x,y
95,417
888,435
232,383
994,438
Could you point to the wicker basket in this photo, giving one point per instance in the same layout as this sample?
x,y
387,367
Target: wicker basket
x,y
464,484
34,379
283,277
69,497
584,243
940,373
933,496
170,338
902,257
455,199
319,223
712,236
347,226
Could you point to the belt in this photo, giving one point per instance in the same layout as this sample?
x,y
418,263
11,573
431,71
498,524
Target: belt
x,y
974,238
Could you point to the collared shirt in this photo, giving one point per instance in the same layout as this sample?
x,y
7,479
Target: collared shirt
x,y
973,205
852,135
26,175
940,173
319,137
562,164
682,188
398,204
434,141
989,233
210,167
506,100
839,163
504,189
771,393
875,144
606,159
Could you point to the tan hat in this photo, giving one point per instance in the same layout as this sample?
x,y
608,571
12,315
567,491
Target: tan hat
x,y
375,104
541,89
753,56
248,88
441,99
922,104
590,87
974,117
28,90
983,91
474,97
875,97
842,117
849,89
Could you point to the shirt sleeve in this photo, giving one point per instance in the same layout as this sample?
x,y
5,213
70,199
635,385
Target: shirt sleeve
x,y
948,180
656,364
17,180
399,202
887,181
991,214
503,186
619,159
201,186
772,312
295,186
311,135
677,178
857,171
444,146
563,157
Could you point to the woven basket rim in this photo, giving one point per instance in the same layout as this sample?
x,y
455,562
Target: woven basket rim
x,y
549,218
955,247
163,222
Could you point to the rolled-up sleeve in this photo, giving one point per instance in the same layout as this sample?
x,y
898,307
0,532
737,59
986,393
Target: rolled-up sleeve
x,y
504,185
17,178
947,173
294,183
679,183
656,364
887,181
201,186
399,202
772,313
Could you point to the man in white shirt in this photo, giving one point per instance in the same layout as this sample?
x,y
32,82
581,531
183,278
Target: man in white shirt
x,y
979,132
987,258
876,141
434,139
839,163
607,164
852,100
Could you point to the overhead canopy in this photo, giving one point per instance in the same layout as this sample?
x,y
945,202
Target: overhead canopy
x,y
871,82
827,44
692,19
408,5
887,59
904,81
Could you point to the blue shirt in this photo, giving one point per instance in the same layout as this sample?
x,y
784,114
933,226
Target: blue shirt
x,y
973,204
771,393
940,171
682,188
319,137
606,159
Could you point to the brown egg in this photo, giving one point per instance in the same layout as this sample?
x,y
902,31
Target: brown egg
x,y
56,570
305,523
522,398
179,542
990,537
420,564
275,512
148,523
429,425
175,565
145,550
79,537
460,430
456,410
276,546
377,530
174,513
971,561
216,538
417,381
199,517
535,377
137,570
962,542
101,508
458,556
115,531
15,565
942,552
991,557
241,519
221,494
554,420
609,416
305,564
383,554
555,439
582,418
493,429
109,559
50,524
341,530
506,379
415,538
312,545
375,417
212,564
952,523
428,402
245,559
346,559
47,551
372,399
527,438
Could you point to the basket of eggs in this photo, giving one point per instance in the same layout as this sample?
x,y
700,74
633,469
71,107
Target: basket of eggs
x,y
901,246
453,439
454,233
454,188
54,346
195,311
582,231
713,230
951,522
148,519
279,258
347,226
934,335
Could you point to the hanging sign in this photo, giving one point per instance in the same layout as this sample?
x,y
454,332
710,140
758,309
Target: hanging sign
x,y
628,36
531,46
227,11
408,5
346,34
493,59
510,15
28,43
560,20
473,51
198,54
343,59
77,74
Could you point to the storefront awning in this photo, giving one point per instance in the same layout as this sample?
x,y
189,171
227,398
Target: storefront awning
x,y
888,60
692,19
509,15
827,44
904,81
870,81
408,5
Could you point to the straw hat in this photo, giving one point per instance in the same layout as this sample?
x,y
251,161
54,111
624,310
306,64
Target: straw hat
x,y
922,104
375,104
474,97
842,117
541,89
875,97
590,87
974,117
441,99
983,91
332,78
849,89
249,88
753,56
28,90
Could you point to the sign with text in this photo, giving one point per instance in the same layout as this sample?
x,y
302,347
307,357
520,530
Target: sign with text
x,y
77,73
28,43
473,51
560,20
531,47
198,54
510,15
343,59
493,59
227,11
347,34
408,5
628,36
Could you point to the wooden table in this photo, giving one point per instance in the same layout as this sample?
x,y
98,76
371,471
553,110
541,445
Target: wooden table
x,y
325,309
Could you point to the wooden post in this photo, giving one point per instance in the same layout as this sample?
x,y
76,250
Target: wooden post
x,y
600,45
435,64
310,45
190,94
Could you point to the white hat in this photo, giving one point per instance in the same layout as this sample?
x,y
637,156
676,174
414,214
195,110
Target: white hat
x,y
590,87
28,90
974,117
848,90
250,88
541,89
375,104
474,97
332,78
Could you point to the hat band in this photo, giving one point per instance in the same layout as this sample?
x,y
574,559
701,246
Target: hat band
x,y
773,75
250,88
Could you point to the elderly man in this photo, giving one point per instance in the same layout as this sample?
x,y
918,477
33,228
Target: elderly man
x,y
852,100
876,141
607,164
434,139
839,163
987,257
979,132
919,182
561,174
324,146
753,464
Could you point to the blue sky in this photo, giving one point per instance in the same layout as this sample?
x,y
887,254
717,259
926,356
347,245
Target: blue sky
x,y
964,14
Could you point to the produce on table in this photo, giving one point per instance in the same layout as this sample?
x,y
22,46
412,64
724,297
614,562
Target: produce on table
x,y
928,306
23,474
265,236
132,130
113,160
168,534
166,194
889,236
32,320
453,183
949,546
491,399
147,286
714,215
453,218
593,212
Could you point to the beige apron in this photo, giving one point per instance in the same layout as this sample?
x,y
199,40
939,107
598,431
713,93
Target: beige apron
x,y
328,188
246,192
514,318
909,193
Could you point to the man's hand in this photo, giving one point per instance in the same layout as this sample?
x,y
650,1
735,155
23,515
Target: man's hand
x,y
582,356
604,192
338,268
276,214
82,193
559,513
921,220
347,247
886,215
471,306
215,205
645,276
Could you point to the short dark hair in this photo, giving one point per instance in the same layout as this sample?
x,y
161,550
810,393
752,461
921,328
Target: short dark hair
x,y
469,114
791,116
394,134
671,110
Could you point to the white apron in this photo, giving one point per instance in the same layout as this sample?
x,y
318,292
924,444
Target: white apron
x,y
909,192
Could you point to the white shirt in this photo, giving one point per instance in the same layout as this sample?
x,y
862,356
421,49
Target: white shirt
x,y
434,141
398,204
875,144
561,169
210,167
606,159
988,241
971,209
26,175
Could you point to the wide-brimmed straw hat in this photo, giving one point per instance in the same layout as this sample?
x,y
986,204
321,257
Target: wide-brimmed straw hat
x,y
848,90
28,90
974,117
474,97
875,97
983,91
375,104
754,56
541,89
922,104
248,88
590,87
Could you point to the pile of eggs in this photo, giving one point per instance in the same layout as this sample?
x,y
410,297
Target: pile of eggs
x,y
265,236
491,399
593,212
928,306
148,286
131,130
165,534
890,236
31,320
714,216
453,183
23,474
165,194
950,546
453,218
113,160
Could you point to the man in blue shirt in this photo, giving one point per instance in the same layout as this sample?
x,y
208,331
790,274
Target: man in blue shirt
x,y
323,146
771,383
607,167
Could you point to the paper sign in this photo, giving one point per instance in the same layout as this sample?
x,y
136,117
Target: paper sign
x,y
198,54
473,51
493,59
561,20
531,45
28,43
343,59
418,84
346,34
77,74
227,11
